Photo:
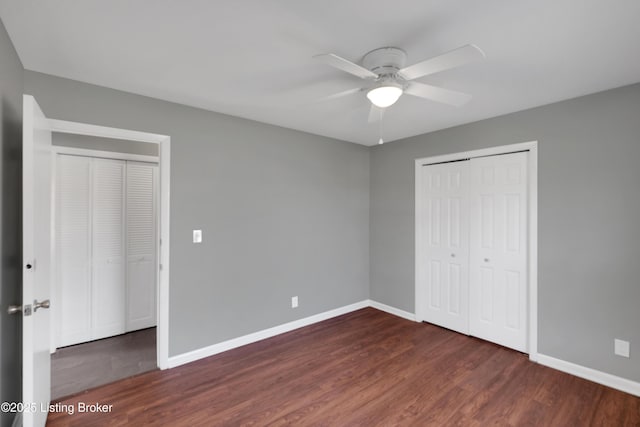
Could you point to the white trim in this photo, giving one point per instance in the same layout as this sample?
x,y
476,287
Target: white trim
x,y
419,293
164,259
532,170
74,151
489,151
392,310
75,128
53,269
211,350
613,381
532,147
201,353
164,164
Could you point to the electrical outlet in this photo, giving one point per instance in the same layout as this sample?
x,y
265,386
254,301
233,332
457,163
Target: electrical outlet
x,y
197,236
621,347
294,302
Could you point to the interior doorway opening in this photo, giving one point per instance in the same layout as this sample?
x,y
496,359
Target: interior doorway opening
x,y
105,243
39,246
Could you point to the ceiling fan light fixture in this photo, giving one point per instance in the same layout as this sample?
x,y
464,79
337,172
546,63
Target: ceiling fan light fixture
x,y
384,96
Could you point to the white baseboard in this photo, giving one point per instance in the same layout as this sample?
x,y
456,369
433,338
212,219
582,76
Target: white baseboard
x,y
392,310
599,377
201,353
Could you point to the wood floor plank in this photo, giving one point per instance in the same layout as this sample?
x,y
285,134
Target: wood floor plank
x,y
365,368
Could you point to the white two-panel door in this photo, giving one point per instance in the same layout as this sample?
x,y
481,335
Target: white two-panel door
x,y
472,247
444,239
498,268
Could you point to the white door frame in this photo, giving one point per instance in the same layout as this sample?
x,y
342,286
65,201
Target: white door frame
x,y
164,163
98,154
532,229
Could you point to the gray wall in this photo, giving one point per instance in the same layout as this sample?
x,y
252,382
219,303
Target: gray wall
x,y
287,213
283,213
104,144
10,226
588,224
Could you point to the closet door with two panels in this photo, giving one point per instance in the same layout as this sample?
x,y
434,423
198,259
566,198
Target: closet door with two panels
x,y
472,246
105,248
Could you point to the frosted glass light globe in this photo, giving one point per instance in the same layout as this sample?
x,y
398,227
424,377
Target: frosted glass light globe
x,y
384,96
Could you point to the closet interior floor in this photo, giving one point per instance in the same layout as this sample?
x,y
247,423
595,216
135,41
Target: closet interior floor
x,y
83,366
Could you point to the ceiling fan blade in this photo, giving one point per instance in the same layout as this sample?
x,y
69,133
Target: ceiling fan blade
x,y
438,94
375,114
345,65
340,94
452,59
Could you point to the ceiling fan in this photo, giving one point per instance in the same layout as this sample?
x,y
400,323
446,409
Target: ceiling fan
x,y
385,69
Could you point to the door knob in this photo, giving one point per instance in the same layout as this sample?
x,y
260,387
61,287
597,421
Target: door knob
x,y
14,309
44,304
453,255
486,260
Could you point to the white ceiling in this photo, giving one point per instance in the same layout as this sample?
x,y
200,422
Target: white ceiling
x,y
252,58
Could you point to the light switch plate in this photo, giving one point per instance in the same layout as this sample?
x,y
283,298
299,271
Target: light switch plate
x,y
197,236
621,347
294,302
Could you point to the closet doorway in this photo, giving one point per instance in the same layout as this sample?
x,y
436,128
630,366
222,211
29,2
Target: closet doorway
x,y
476,246
104,287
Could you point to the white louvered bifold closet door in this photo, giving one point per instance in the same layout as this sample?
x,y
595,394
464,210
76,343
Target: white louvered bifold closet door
x,y
108,247
105,248
141,245
72,315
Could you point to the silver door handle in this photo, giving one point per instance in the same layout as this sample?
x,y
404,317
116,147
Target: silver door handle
x,y
44,304
486,260
14,309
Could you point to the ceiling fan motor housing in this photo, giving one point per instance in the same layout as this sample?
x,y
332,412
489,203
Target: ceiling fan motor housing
x,y
385,61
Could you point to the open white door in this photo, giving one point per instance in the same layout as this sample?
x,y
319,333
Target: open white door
x,y
36,256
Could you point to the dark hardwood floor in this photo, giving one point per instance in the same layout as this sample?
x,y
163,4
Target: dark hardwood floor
x,y
361,369
84,366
